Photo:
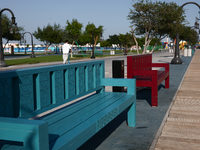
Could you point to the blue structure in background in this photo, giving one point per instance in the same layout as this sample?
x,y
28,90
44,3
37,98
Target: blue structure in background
x,y
52,49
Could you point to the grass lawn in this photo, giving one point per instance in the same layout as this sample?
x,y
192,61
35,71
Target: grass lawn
x,y
47,58
53,58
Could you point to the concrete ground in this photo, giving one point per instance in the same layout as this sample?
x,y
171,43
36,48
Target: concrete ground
x,y
117,135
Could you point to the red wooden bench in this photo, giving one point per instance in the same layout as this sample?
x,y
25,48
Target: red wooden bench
x,y
140,67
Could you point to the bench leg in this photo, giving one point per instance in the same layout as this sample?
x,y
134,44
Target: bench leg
x,y
167,82
154,95
38,140
132,115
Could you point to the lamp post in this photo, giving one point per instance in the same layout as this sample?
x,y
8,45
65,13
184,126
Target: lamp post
x,y
24,41
177,59
93,57
2,62
197,27
32,55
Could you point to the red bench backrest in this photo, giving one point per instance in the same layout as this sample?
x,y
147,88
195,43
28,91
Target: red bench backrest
x,y
138,62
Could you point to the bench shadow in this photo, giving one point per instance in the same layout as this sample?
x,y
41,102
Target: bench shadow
x,y
4,143
145,93
105,132
54,137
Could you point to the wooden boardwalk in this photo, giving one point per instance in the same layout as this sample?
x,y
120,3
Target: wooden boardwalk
x,y
181,131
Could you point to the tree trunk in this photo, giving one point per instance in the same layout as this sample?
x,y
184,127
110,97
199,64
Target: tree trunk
x,y
95,41
47,46
135,40
147,40
153,47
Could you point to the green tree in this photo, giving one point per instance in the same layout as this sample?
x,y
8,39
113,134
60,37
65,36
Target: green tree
x,y
155,41
114,39
27,46
74,30
192,37
49,35
122,39
155,19
94,32
105,43
185,33
125,39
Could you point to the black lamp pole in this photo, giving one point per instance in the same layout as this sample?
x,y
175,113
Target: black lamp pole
x,y
24,46
2,62
93,57
177,59
32,55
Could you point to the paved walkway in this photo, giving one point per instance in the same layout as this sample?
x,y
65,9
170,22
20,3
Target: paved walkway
x,y
181,130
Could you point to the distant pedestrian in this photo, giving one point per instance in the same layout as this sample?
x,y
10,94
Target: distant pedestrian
x,y
66,49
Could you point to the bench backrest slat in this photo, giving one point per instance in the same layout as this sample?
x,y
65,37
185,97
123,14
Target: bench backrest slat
x,y
25,90
138,62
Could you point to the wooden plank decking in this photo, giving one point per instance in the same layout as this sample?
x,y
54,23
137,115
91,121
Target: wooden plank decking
x,y
182,128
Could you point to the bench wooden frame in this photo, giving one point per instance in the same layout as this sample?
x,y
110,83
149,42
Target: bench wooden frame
x,y
28,93
140,67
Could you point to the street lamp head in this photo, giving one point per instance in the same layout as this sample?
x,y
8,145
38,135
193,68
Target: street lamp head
x,y
11,30
14,29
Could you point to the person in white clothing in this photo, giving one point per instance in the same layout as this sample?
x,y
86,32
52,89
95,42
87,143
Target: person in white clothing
x,y
66,49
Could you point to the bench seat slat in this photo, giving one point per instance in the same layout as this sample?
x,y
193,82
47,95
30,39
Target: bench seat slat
x,y
79,116
78,112
71,108
161,76
146,80
93,124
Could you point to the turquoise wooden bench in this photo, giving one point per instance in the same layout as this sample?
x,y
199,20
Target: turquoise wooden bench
x,y
38,112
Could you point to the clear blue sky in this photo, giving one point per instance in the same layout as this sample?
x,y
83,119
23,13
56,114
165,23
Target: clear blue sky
x,y
111,14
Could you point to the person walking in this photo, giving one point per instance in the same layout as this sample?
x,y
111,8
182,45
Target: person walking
x,y
66,49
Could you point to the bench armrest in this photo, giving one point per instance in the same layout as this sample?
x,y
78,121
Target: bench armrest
x,y
129,83
23,130
165,65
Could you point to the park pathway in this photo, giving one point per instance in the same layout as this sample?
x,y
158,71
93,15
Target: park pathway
x,y
181,130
